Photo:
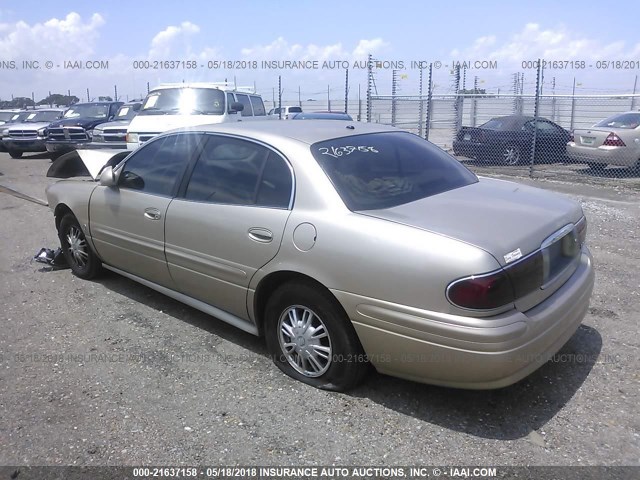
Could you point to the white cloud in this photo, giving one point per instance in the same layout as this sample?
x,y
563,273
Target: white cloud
x,y
280,49
70,37
533,42
172,40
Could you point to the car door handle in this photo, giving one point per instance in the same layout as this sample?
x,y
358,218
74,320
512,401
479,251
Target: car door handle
x,y
152,213
261,235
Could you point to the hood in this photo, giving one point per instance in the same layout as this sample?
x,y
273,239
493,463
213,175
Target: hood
x,y
28,125
85,122
163,123
497,216
81,163
115,124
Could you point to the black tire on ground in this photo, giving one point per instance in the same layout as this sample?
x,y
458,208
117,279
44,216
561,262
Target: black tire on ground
x,y
311,339
83,262
510,154
15,154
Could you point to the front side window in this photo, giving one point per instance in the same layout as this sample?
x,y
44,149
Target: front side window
x,y
238,172
158,166
383,170
184,101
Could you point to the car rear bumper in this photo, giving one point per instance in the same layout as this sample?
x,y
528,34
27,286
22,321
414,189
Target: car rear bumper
x,y
25,145
619,156
465,352
470,149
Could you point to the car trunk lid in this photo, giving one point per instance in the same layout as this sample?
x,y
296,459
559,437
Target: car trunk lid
x,y
591,137
497,216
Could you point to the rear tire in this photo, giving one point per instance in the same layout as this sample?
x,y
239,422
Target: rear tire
x,y
15,154
510,154
83,262
311,339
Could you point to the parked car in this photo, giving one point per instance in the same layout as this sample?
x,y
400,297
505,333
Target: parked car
x,y
174,105
284,112
75,129
613,141
114,134
507,140
16,117
321,116
343,245
30,135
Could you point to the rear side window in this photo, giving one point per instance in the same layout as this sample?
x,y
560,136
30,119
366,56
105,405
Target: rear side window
x,y
258,106
295,109
383,170
238,172
244,100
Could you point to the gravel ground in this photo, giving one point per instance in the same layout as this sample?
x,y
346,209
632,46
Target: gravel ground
x,y
109,372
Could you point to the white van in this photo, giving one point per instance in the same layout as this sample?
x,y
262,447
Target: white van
x,y
174,105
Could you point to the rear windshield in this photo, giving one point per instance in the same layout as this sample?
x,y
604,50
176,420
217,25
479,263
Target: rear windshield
x,y
295,109
623,120
383,170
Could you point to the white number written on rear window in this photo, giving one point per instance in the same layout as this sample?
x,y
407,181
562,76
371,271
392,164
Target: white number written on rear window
x,y
336,152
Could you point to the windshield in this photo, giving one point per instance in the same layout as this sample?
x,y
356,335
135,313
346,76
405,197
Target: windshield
x,y
125,112
383,170
20,117
5,116
623,120
87,111
173,101
43,116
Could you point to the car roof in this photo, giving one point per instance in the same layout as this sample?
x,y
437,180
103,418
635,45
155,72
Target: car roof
x,y
514,121
310,131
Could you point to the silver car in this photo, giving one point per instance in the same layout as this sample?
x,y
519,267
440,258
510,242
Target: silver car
x,y
613,141
344,244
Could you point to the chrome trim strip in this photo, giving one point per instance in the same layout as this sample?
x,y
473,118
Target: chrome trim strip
x,y
192,302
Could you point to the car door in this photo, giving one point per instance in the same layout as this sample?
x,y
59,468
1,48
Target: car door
x,y
127,221
551,141
228,221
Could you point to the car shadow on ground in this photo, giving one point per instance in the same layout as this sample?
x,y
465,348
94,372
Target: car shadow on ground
x,y
505,414
508,413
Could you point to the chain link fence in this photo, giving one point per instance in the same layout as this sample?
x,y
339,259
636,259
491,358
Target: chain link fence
x,y
573,136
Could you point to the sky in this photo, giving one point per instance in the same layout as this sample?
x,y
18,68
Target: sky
x,y
129,44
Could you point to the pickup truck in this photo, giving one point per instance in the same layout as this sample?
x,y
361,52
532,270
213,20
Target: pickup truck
x,y
75,129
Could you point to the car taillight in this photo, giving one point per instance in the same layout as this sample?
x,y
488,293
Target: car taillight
x,y
614,140
483,292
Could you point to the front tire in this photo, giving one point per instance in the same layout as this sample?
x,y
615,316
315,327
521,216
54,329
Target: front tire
x,y
83,262
15,154
311,339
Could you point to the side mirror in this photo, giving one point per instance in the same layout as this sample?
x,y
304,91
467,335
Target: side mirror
x,y
236,107
107,178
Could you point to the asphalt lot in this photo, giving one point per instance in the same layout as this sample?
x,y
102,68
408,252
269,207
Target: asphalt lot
x,y
109,372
